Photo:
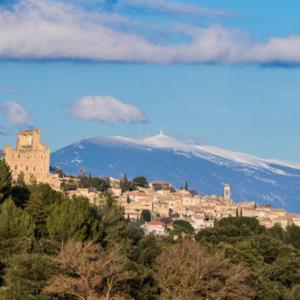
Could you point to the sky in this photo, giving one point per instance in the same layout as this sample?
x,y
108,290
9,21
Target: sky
x,y
224,72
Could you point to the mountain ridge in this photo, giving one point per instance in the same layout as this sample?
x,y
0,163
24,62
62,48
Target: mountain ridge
x,y
167,142
207,168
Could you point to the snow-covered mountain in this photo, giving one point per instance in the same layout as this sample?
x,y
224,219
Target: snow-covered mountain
x,y
206,168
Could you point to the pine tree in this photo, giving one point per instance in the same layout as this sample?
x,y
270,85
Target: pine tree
x,y
39,211
5,180
74,219
20,191
15,226
146,215
113,221
140,181
26,277
38,208
21,179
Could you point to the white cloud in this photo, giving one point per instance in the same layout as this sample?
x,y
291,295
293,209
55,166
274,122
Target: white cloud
x,y
15,113
277,50
46,29
106,109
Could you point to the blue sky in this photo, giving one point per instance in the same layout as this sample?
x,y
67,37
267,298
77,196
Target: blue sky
x,y
223,72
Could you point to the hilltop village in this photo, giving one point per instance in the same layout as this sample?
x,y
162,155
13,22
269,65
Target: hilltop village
x,y
160,202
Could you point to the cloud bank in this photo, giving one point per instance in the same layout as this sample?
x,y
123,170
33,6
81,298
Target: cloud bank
x,y
106,109
15,113
47,29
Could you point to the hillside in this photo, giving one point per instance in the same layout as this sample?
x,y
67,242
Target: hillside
x,y
206,168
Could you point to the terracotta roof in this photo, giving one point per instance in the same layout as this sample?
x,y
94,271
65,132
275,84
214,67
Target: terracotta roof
x,y
197,217
293,216
156,222
207,207
135,193
160,182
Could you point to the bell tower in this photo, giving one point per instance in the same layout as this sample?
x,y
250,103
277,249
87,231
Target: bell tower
x,y
227,193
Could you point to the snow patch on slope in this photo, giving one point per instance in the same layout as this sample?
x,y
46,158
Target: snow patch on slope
x,y
217,155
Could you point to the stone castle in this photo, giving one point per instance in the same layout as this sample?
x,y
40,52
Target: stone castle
x,y
30,158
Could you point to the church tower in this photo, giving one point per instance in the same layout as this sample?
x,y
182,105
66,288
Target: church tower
x,y
227,193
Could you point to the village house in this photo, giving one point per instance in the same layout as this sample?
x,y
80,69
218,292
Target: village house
x,y
155,228
293,219
90,194
160,185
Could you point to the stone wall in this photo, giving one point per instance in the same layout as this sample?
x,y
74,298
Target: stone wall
x,y
31,157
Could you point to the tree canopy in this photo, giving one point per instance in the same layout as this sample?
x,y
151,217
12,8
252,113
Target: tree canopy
x,y
56,247
273,262
140,181
188,270
182,227
146,215
74,219
15,226
5,180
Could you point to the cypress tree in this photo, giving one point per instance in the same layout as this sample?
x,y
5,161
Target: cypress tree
x,y
186,185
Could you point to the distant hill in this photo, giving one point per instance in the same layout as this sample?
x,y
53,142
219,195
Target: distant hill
x,y
206,168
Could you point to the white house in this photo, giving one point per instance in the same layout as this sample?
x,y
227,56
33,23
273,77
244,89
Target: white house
x,y
155,227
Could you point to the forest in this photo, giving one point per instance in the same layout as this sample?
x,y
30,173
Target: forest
x,y
56,247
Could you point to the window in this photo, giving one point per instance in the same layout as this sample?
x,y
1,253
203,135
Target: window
x,y
16,167
26,168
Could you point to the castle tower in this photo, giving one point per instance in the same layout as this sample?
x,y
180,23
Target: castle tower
x,y
227,193
31,157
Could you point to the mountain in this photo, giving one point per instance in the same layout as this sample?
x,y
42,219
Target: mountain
x,y
206,168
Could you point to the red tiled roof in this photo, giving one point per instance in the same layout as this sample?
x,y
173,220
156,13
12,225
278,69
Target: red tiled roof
x,y
135,193
156,222
293,216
